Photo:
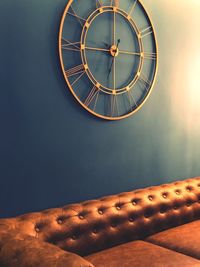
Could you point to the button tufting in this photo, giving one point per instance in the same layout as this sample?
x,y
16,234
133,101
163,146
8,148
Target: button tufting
x,y
100,212
188,189
81,217
113,225
177,192
118,207
134,203
150,198
73,237
131,219
164,195
59,221
37,229
175,207
95,231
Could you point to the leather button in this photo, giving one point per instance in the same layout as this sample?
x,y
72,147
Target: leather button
x,y
100,212
81,217
150,198
164,195
73,237
177,192
131,219
188,189
95,231
134,203
175,207
37,229
118,208
59,221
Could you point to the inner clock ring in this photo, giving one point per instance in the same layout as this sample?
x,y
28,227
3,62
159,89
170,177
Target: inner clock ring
x,y
112,51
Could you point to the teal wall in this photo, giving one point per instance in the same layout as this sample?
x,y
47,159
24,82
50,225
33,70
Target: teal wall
x,y
52,152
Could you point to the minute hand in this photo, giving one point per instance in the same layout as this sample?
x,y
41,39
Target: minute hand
x,y
118,41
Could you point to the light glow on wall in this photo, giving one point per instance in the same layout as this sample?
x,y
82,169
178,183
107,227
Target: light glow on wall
x,y
193,85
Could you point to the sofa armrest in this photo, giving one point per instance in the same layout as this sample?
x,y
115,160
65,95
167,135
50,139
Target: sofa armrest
x,y
26,251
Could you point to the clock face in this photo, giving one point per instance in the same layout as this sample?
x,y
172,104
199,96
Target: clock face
x,y
108,55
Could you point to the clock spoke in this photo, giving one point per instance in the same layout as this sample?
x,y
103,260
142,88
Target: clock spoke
x,y
74,14
92,97
114,73
97,49
114,25
129,53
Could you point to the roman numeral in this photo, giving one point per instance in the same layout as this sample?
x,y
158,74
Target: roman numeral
x,y
148,55
67,45
143,81
114,104
131,99
92,97
99,3
76,70
132,8
74,14
78,78
114,3
145,32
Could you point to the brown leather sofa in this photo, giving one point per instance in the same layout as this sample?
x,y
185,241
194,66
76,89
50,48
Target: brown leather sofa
x,y
157,226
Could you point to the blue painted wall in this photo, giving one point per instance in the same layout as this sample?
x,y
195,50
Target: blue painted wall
x,y
52,152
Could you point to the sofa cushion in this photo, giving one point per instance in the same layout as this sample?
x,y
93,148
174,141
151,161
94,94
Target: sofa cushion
x,y
184,239
140,254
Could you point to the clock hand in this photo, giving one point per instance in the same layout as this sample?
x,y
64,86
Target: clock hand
x,y
118,41
106,45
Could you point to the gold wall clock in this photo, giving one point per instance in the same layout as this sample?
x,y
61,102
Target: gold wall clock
x,y
108,55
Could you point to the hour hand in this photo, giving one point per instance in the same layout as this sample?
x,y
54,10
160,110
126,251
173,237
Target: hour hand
x,y
114,50
106,45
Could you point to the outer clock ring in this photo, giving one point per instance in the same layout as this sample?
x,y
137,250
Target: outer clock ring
x,y
69,84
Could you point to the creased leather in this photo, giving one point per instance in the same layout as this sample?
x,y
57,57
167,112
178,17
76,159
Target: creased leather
x,y
141,254
184,239
25,251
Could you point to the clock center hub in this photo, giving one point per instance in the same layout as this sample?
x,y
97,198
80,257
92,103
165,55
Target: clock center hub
x,y
114,51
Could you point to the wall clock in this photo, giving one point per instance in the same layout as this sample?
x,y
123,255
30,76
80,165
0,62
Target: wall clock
x,y
108,55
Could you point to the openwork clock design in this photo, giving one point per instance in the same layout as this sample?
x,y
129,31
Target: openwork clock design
x,y
108,55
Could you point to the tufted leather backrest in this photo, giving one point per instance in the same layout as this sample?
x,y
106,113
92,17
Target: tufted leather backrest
x,y
94,225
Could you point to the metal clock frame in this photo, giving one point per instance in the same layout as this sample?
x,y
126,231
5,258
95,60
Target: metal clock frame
x,y
83,68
